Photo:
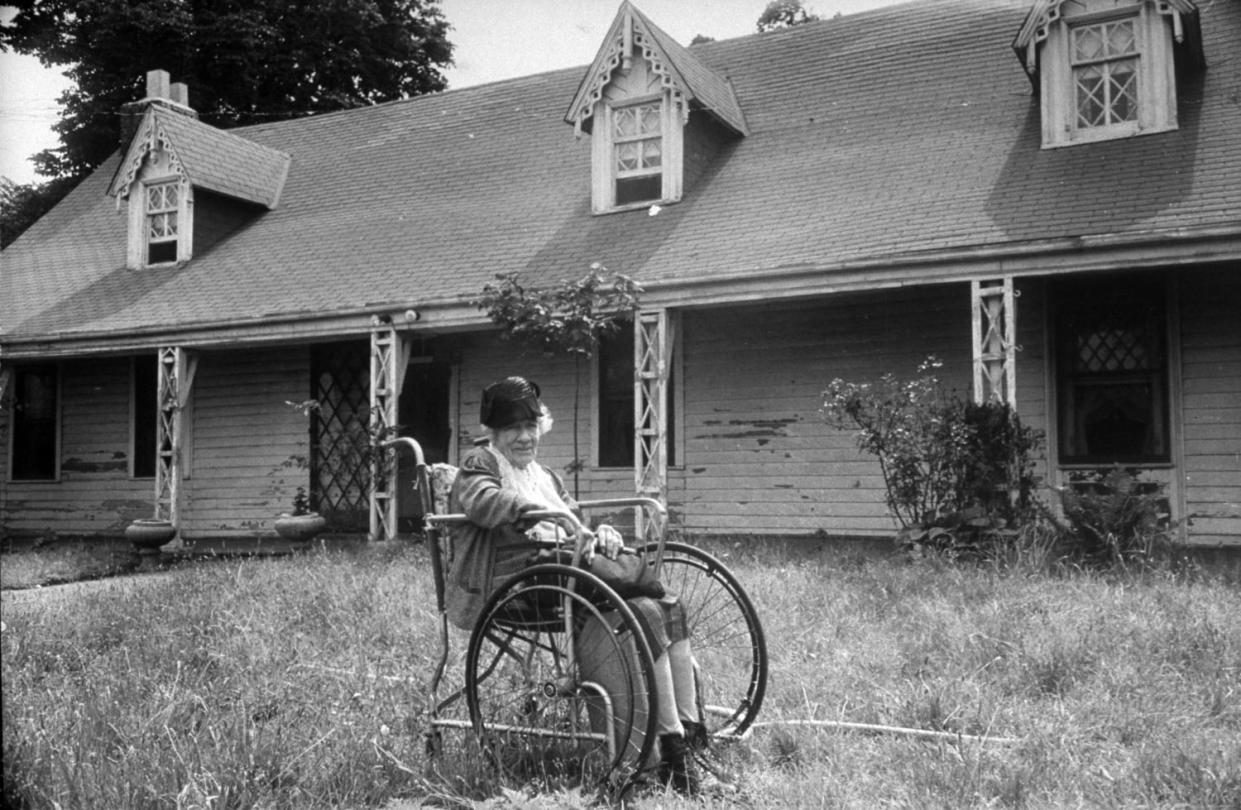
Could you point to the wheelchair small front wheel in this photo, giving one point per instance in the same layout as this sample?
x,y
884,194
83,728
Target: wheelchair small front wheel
x,y
559,680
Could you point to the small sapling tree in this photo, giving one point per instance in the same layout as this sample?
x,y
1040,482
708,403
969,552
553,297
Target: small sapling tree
x,y
569,319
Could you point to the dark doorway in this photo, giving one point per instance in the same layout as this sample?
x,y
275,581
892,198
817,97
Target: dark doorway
x,y
422,412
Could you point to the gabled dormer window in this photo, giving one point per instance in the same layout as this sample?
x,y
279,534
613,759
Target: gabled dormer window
x,y
1104,69
161,226
637,139
642,100
233,179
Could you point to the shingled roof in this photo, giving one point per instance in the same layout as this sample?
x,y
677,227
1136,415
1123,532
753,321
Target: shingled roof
x,y
697,83
219,161
889,147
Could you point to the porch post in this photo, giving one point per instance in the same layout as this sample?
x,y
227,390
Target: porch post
x,y
174,382
389,355
6,374
653,338
994,321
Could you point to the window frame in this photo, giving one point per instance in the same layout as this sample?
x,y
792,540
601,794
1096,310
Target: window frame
x,y
57,422
675,404
1106,63
135,412
1065,382
139,234
605,174
1155,78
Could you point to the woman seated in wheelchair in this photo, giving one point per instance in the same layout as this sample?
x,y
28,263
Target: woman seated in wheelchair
x,y
501,481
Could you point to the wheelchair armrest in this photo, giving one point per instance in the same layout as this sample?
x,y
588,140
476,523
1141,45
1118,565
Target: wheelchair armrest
x,y
649,503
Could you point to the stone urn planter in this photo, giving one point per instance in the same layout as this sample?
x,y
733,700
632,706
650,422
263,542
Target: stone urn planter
x,y
300,528
302,525
148,534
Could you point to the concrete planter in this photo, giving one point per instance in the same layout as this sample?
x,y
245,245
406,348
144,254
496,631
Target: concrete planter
x,y
148,534
300,528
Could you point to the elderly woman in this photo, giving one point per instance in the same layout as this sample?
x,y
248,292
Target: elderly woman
x,y
502,481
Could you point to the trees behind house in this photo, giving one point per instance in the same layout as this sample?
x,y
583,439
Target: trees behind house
x,y
782,14
244,63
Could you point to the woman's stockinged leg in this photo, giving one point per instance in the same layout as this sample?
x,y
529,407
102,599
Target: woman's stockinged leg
x,y
681,659
667,702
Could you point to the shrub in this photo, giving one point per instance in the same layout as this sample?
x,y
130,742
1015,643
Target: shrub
x,y
957,475
1113,518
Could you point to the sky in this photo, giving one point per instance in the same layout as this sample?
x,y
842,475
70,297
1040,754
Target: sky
x,y
493,40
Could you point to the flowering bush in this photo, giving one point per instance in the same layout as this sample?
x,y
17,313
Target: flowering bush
x,y
950,467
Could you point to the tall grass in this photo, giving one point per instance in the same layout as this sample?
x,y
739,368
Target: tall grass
x,y
299,683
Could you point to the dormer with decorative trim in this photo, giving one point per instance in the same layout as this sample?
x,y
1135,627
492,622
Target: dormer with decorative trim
x,y
652,111
1107,69
177,170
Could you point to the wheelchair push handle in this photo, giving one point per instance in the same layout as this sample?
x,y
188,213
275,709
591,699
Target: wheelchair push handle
x,y
410,444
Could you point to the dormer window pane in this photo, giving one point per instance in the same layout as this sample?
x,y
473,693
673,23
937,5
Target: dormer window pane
x,y
1105,73
161,222
637,138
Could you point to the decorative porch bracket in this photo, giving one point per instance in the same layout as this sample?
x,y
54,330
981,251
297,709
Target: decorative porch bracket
x,y
174,382
389,356
994,317
653,338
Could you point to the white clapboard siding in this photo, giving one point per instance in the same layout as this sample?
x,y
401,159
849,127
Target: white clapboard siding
x,y
249,446
759,458
95,494
1211,404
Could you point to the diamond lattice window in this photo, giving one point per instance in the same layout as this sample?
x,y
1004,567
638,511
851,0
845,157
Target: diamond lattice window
x,y
1112,376
637,144
162,206
339,465
1105,73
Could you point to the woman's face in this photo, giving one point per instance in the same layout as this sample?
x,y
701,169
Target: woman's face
x,y
519,442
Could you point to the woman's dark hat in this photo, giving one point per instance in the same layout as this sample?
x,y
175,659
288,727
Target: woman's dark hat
x,y
510,400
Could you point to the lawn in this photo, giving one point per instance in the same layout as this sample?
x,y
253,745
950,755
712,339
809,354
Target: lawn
x,y
297,682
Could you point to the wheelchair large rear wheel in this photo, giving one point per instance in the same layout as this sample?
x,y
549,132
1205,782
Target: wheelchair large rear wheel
x,y
560,681
725,634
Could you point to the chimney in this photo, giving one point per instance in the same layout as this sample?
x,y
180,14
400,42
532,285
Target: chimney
x,y
171,96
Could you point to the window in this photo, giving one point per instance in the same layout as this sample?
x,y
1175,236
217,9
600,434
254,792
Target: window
x,y
1107,73
615,418
36,421
637,148
162,209
1112,372
145,416
637,145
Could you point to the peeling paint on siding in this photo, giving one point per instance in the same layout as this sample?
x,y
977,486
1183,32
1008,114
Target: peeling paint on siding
x,y
766,428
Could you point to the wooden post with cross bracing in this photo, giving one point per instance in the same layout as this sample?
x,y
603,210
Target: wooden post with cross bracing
x,y
653,338
994,321
174,382
389,355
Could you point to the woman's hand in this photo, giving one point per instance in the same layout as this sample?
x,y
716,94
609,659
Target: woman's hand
x,y
609,541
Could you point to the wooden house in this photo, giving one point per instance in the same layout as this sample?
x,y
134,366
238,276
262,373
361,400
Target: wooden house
x,y
1045,194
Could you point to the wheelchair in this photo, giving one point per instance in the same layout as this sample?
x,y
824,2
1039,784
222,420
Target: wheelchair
x,y
558,683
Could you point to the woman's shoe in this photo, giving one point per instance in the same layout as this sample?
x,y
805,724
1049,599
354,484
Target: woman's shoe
x,y
676,766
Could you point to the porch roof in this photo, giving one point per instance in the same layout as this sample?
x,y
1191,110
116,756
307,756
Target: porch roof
x,y
900,145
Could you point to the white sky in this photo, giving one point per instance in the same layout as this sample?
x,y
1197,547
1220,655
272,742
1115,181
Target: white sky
x,y
493,39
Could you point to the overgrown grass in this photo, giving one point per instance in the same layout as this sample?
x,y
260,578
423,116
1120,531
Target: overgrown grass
x,y
57,562
298,682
